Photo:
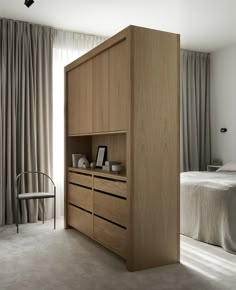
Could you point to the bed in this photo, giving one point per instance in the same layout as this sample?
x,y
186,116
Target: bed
x,y
208,207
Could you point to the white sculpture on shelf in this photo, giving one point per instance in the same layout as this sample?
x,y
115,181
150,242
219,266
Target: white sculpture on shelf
x,y
83,163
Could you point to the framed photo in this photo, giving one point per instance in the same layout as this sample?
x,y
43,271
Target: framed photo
x,y
101,156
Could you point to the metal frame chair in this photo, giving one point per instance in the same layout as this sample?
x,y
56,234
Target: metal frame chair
x,y
34,195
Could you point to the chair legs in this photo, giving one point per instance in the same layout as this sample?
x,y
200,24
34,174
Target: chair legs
x,y
54,212
49,183
17,214
43,210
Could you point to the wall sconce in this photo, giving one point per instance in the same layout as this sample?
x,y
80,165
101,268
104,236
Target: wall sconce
x,y
223,130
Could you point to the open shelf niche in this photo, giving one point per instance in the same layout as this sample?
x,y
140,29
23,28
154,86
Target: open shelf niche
x,y
88,145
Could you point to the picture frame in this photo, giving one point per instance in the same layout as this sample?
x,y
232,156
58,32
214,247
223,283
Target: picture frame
x,y
101,156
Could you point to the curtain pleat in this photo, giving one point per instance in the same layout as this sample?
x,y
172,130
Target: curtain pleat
x,y
25,114
195,108
27,54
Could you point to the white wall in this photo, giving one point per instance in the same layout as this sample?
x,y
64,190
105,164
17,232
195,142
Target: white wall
x,y
223,103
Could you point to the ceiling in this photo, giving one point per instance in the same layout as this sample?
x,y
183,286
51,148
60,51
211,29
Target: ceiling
x,y
204,25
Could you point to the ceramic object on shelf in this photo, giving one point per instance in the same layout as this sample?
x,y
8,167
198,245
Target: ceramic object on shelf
x,y
106,168
75,159
108,165
92,165
116,168
83,163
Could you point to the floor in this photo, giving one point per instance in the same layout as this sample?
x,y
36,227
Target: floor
x,y
41,258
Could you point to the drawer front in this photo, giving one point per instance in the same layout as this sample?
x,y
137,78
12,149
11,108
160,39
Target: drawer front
x,y
111,186
111,208
81,220
85,180
80,196
110,235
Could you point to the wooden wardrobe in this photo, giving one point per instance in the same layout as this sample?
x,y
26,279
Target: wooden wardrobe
x,y
125,94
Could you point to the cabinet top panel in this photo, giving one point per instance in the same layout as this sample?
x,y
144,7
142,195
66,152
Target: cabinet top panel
x,y
120,36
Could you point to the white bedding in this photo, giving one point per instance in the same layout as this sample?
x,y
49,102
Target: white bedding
x,y
208,207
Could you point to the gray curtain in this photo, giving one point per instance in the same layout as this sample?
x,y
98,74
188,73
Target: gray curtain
x,y
25,113
195,110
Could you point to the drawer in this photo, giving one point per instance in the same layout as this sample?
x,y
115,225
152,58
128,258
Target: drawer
x,y
80,196
81,220
110,235
111,186
82,179
111,207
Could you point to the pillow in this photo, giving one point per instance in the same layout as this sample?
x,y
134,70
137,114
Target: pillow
x,y
231,166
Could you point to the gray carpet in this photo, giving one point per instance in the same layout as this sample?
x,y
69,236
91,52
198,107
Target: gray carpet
x,y
41,258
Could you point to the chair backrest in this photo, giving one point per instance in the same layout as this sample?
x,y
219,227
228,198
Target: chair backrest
x,y
38,174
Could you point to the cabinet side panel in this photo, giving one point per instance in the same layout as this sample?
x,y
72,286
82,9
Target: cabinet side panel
x,y
65,149
155,222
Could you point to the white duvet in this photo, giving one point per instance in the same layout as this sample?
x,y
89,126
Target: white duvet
x,y
208,207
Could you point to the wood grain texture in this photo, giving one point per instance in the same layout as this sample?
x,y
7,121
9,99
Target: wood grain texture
x,y
99,172
78,145
119,86
72,145
100,133
80,99
80,179
178,151
111,208
81,220
100,101
120,36
66,225
84,83
111,236
155,149
80,196
116,146
73,101
148,144
110,186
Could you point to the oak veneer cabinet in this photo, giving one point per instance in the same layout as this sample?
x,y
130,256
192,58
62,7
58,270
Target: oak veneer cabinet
x,y
100,100
80,99
119,86
125,94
